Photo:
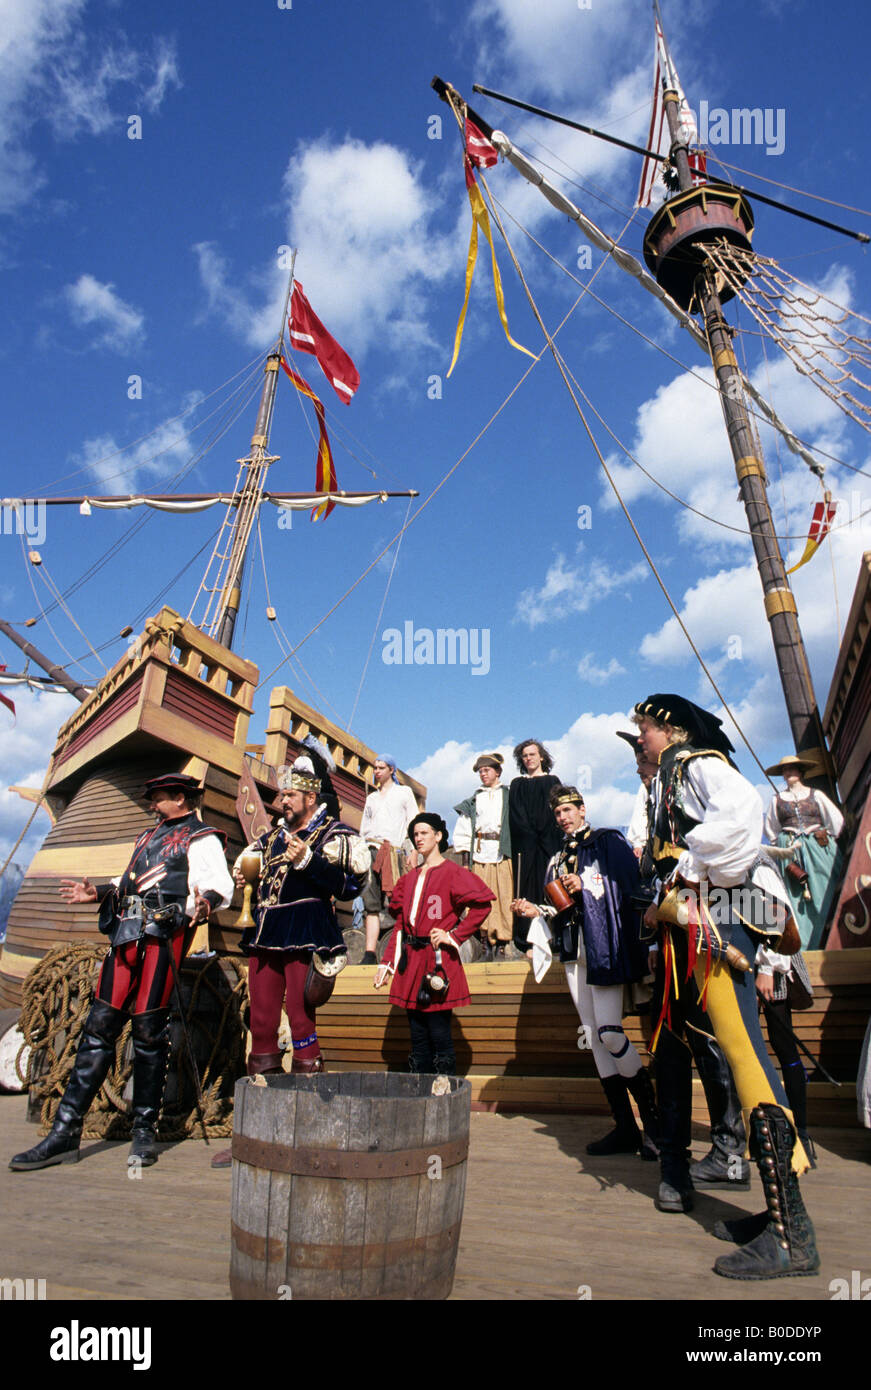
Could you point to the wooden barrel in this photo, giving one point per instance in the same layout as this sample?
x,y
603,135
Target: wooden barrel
x,y
347,1186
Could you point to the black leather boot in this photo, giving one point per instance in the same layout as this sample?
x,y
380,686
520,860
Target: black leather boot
x,y
724,1165
150,1057
640,1087
625,1138
95,1056
420,1062
785,1246
445,1063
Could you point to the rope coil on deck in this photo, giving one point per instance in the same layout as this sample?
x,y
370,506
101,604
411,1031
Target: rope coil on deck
x,y
56,1000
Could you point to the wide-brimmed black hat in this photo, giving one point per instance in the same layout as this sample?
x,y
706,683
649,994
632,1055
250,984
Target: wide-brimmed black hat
x,y
430,818
173,782
705,729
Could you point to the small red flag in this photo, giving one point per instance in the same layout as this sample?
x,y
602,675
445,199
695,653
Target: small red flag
x,y
482,154
308,334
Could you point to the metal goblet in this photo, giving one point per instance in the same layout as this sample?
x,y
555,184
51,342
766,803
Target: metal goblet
x,y
250,866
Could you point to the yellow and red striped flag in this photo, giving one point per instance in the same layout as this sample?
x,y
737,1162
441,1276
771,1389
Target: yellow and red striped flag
x,y
480,152
325,473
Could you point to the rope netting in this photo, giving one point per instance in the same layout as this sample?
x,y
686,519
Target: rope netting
x,y
824,340
56,1000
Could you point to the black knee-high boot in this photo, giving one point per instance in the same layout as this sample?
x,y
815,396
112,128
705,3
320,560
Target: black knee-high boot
x,y
94,1058
785,1244
624,1139
640,1087
150,1057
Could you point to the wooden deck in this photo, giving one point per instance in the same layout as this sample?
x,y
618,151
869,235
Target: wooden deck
x,y
542,1220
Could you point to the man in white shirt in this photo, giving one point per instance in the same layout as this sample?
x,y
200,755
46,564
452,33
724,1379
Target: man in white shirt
x,y
177,876
482,833
384,827
720,899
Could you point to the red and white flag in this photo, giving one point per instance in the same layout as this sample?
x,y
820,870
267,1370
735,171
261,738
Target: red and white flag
x,y
658,138
821,525
482,154
308,334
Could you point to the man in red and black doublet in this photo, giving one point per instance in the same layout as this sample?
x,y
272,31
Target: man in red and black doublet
x,y
432,896
177,874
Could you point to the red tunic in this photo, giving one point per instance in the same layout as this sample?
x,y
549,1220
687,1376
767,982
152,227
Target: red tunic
x,y
447,890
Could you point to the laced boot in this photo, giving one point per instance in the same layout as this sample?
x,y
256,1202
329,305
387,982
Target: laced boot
x,y
640,1086
95,1056
625,1138
785,1246
150,1057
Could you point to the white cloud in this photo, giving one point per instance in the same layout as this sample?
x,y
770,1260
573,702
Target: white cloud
x,y
599,675
92,302
363,215
560,48
574,589
161,454
24,749
51,70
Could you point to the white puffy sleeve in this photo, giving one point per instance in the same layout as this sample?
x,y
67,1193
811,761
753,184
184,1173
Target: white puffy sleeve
x,y
830,816
772,825
207,871
723,847
636,833
463,835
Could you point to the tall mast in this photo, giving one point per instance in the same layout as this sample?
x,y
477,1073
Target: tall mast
x,y
780,605
231,549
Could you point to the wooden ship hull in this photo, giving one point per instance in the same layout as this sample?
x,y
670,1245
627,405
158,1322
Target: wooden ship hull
x,y
178,701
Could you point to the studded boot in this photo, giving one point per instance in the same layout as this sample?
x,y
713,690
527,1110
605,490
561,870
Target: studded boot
x,y
785,1245
95,1056
150,1057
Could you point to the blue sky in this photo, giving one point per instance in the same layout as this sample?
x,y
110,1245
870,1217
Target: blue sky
x,y
311,126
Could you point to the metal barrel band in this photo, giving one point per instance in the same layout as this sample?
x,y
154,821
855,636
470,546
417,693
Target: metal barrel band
x,y
337,1163
377,1255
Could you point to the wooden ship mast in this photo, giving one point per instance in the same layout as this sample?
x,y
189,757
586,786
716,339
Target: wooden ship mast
x,y
179,700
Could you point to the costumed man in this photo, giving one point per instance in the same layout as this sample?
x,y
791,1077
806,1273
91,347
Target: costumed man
x,y
483,837
177,876
535,836
422,958
295,947
589,914
384,827
724,1165
720,898
805,820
